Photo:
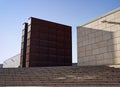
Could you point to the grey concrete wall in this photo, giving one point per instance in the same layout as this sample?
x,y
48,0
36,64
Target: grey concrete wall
x,y
13,62
98,42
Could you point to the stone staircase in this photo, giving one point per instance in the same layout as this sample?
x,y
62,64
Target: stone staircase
x,y
65,76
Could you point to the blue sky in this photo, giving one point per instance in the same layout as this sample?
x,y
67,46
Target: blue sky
x,y
13,13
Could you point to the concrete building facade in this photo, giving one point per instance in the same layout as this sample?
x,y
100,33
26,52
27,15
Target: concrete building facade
x,y
13,62
46,43
98,41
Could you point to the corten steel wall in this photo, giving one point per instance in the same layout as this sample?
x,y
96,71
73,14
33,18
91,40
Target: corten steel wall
x,y
99,41
48,44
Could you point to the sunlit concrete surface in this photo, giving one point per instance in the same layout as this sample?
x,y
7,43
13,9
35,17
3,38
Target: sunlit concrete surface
x,y
13,62
98,41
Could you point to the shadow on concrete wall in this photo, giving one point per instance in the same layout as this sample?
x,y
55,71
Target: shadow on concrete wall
x,y
95,43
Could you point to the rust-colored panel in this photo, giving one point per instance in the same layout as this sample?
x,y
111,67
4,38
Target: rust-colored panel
x,y
60,52
52,37
52,52
48,44
43,36
43,51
